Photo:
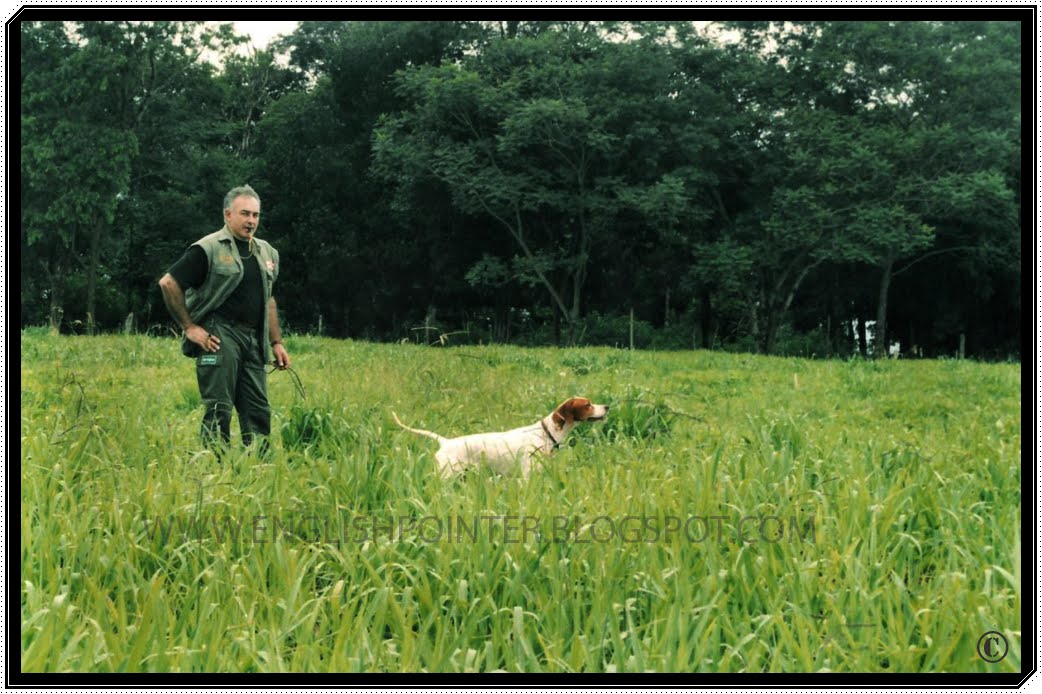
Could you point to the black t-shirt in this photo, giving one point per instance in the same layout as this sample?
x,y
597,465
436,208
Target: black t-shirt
x,y
246,303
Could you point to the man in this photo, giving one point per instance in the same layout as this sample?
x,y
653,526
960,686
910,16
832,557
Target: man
x,y
220,293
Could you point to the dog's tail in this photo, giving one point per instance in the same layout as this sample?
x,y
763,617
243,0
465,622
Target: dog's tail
x,y
421,432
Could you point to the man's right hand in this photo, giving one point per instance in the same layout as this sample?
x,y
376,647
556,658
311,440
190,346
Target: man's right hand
x,y
174,298
200,336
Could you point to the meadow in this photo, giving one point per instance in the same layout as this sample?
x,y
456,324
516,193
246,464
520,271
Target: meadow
x,y
735,513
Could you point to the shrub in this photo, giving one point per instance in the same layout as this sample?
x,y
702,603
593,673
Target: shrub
x,y
639,418
306,426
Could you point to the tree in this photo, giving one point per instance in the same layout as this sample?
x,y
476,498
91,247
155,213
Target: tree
x,y
76,160
85,116
313,151
250,84
745,272
552,139
878,152
526,176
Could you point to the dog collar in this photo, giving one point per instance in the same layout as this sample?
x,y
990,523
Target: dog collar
x,y
557,444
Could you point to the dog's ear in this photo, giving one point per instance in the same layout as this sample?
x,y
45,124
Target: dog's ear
x,y
572,410
564,413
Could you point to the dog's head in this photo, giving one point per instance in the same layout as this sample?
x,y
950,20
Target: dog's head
x,y
575,410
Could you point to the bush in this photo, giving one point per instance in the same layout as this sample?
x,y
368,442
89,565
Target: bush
x,y
789,343
614,331
306,427
639,418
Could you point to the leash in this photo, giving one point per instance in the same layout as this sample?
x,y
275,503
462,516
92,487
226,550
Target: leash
x,y
296,379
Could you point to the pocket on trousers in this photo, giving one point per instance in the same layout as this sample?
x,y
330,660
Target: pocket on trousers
x,y
208,359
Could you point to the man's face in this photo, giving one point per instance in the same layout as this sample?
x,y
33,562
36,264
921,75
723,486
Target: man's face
x,y
243,217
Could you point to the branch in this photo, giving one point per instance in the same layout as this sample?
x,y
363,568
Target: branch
x,y
798,282
516,232
47,271
895,273
720,205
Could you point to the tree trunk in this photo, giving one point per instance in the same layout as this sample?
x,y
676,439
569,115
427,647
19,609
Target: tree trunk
x,y
517,231
770,331
862,337
775,314
504,330
94,259
754,328
884,292
764,315
573,313
57,312
828,333
706,319
55,294
508,29
579,276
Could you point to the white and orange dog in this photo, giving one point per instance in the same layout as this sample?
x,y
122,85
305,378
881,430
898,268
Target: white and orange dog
x,y
509,452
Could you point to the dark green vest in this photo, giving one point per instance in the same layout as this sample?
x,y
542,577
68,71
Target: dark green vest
x,y
224,274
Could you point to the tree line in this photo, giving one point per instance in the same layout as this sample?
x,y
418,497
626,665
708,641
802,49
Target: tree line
x,y
807,187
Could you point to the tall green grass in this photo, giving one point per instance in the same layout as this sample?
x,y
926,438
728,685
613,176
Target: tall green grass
x,y
895,485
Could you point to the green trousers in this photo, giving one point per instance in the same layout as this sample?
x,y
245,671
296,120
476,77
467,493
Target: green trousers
x,y
233,378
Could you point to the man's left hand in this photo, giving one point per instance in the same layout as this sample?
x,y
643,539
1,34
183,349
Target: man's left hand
x,y
281,355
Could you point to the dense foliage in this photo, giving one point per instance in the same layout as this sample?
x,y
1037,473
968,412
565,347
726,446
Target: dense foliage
x,y
813,188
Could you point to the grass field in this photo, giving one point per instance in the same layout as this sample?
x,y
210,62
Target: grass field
x,y
735,513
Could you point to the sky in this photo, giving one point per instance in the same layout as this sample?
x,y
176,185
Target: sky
x,y
262,32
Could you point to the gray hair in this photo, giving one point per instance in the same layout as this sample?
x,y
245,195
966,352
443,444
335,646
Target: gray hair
x,y
238,191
